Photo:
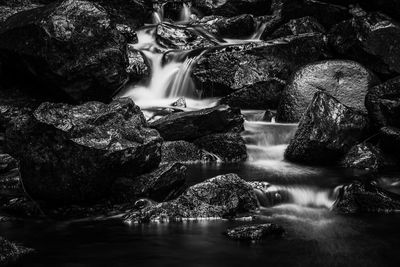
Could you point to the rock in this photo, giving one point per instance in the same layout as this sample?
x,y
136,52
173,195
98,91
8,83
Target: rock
x,y
230,147
269,195
192,125
383,104
162,184
180,37
74,153
128,33
298,26
9,252
390,140
366,198
254,232
235,27
347,81
219,197
230,8
269,115
326,132
7,163
363,156
8,9
181,151
138,68
370,39
260,95
180,103
222,70
69,49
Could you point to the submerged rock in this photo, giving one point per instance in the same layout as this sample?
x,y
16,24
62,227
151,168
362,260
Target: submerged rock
x,y
10,252
191,125
162,184
347,81
298,26
219,197
326,132
74,153
69,49
366,198
363,156
223,70
181,151
255,232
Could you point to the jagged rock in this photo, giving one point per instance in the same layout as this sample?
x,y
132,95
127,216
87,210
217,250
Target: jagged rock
x,y
298,26
260,95
230,8
383,104
219,197
255,232
10,252
192,125
74,153
366,198
129,33
230,147
326,132
181,151
180,103
179,37
69,49
162,184
363,156
370,39
7,163
236,27
223,70
138,67
347,81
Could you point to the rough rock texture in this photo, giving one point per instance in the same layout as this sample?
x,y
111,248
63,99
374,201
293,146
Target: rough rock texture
x,y
180,151
383,104
74,153
236,27
326,132
347,81
254,232
366,197
223,70
69,49
138,68
10,252
7,163
363,156
298,26
260,95
191,125
219,197
371,39
162,184
231,8
230,147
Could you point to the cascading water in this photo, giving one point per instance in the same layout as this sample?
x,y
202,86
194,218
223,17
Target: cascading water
x,y
186,12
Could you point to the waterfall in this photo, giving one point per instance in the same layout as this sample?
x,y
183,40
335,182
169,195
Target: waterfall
x,y
259,30
185,12
158,13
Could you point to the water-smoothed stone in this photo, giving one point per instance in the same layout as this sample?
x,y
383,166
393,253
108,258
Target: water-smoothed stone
x,y
366,197
223,196
181,151
348,81
230,8
298,26
74,153
10,252
372,39
229,147
364,156
255,232
326,132
223,70
69,49
162,184
383,104
192,125
180,37
235,27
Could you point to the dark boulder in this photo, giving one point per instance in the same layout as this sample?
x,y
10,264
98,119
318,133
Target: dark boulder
x,y
326,132
371,39
230,147
181,151
230,8
347,81
7,163
364,156
138,67
366,198
235,27
383,104
9,252
219,197
74,153
255,232
298,26
223,70
192,125
69,49
162,184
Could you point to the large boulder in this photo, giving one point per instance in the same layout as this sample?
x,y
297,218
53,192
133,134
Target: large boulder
x,y
219,197
225,69
347,81
371,39
254,232
366,197
181,151
162,184
10,252
230,8
69,49
192,125
326,132
74,153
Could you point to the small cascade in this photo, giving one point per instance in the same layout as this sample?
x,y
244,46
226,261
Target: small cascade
x,y
259,30
186,12
158,13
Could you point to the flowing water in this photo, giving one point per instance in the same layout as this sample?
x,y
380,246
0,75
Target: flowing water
x,y
297,197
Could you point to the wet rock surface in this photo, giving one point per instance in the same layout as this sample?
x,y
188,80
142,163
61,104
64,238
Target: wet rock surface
x,y
231,8
181,151
347,81
9,252
138,68
365,157
235,27
326,132
74,153
255,232
219,197
298,26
